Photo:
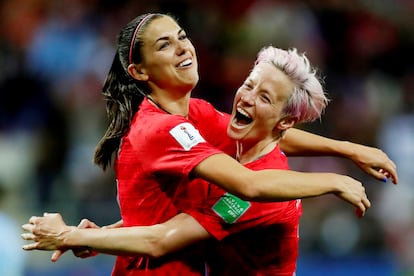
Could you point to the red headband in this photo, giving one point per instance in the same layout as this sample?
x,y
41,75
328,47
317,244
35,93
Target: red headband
x,y
135,33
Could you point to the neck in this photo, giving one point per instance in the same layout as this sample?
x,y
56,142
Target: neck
x,y
246,154
171,104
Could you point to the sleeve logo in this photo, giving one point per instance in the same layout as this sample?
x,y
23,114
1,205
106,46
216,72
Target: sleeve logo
x,y
230,208
186,135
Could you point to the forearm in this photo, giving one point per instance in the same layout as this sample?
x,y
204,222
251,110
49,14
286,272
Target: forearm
x,y
371,160
151,241
288,185
141,241
297,142
266,185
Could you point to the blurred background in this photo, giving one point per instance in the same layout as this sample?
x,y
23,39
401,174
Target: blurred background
x,y
54,56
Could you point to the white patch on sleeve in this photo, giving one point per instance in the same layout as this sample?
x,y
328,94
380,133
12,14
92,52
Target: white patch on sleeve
x,y
186,135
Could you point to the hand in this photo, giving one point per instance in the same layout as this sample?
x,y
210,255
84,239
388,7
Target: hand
x,y
47,232
374,162
82,252
353,192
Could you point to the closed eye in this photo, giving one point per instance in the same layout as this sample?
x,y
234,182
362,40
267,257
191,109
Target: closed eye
x,y
248,85
183,37
265,98
164,45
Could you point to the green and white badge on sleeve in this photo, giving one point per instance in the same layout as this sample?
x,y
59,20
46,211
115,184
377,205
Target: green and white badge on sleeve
x,y
230,208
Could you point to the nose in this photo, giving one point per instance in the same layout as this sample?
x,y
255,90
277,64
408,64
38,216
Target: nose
x,y
182,47
248,97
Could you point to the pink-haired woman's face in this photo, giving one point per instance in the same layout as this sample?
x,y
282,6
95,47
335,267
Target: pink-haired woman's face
x,y
258,105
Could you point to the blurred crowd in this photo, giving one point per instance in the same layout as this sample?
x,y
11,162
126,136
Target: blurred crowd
x,y
54,56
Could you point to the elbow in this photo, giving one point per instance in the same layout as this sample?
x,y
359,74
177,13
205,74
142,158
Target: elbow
x,y
253,195
157,243
156,249
249,191
156,254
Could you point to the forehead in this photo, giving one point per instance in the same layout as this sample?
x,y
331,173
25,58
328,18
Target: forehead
x,y
160,27
271,79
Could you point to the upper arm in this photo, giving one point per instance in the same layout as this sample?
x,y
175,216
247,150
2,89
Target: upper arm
x,y
298,142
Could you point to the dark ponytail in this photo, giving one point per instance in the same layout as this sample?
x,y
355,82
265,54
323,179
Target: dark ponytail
x,y
122,102
122,93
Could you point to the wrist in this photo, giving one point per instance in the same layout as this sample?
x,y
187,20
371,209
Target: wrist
x,y
70,237
344,149
335,183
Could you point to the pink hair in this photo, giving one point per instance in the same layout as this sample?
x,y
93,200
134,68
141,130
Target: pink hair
x,y
308,100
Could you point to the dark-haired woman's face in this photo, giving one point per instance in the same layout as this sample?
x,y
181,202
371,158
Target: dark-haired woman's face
x,y
169,57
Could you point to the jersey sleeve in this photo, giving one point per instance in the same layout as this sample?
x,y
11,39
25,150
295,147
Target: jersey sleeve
x,y
212,124
224,214
172,145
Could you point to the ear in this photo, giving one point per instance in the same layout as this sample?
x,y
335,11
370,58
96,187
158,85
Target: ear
x,y
137,72
286,123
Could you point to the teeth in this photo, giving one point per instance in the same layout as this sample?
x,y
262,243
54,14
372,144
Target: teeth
x,y
244,113
185,63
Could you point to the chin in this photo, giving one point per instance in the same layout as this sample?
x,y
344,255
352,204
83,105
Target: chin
x,y
236,134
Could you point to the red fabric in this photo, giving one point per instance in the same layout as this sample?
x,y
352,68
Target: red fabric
x,y
264,240
152,170
212,125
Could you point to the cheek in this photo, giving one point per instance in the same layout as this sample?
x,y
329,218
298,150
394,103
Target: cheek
x,y
237,97
267,118
238,93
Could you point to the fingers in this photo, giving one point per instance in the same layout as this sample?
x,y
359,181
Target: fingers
x,y
384,174
28,236
28,227
30,246
378,174
389,169
360,210
362,207
392,173
359,213
85,223
33,219
375,162
366,203
56,255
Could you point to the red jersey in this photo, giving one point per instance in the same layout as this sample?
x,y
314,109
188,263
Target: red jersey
x,y
152,170
255,238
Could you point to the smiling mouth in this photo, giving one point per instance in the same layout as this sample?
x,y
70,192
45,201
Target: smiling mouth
x,y
242,117
185,63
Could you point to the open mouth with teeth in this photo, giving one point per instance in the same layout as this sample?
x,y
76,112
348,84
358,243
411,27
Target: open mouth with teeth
x,y
242,118
185,63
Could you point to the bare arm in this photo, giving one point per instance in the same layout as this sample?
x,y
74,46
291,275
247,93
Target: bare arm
x,y
51,233
371,160
279,185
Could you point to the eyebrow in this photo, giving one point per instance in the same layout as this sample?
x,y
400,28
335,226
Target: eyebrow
x,y
166,37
